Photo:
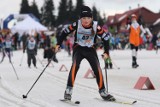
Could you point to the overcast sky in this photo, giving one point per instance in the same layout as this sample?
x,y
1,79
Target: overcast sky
x,y
110,7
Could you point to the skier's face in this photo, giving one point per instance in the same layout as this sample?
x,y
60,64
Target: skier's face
x,y
32,39
133,19
86,21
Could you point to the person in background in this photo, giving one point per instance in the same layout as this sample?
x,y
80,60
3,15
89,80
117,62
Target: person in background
x,y
53,45
134,37
31,51
157,44
7,47
1,42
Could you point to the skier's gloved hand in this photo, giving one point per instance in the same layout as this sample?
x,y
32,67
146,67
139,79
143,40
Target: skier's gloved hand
x,y
105,56
57,48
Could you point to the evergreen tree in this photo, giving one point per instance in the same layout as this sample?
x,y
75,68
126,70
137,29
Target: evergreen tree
x,y
95,13
25,8
79,4
70,11
97,16
62,14
48,18
34,9
100,19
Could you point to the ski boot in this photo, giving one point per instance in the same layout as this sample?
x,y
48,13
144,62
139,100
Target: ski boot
x,y
135,65
134,62
68,93
55,59
35,66
106,96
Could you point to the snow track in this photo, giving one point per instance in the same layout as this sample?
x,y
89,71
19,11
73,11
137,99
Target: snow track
x,y
51,86
11,97
119,93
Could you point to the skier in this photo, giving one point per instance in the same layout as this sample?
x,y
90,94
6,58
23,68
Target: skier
x,y
157,44
1,42
134,38
31,51
85,37
53,45
6,47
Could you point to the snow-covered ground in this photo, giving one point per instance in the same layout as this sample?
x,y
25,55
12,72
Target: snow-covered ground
x,y
51,85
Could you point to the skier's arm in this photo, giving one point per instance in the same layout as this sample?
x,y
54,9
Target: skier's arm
x,y
128,23
105,38
142,29
67,31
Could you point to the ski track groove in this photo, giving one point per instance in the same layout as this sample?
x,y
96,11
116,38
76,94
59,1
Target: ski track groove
x,y
94,90
8,91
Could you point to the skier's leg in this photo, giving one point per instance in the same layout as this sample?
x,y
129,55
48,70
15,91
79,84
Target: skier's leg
x,y
134,56
94,62
3,55
77,58
29,59
54,57
9,54
110,63
34,60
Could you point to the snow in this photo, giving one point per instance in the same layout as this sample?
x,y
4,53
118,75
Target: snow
x,y
52,83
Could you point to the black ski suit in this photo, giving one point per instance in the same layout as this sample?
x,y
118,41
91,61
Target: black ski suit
x,y
84,48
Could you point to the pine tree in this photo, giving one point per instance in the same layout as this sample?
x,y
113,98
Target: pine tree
x,y
25,8
48,18
95,13
97,16
62,14
70,11
79,4
100,19
34,9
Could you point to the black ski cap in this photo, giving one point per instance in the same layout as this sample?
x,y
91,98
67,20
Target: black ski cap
x,y
85,12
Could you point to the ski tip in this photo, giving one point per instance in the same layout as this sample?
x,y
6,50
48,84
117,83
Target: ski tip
x,y
77,102
134,102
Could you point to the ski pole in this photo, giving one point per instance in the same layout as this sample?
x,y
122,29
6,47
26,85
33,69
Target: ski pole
x,y
14,70
105,67
21,60
25,96
106,76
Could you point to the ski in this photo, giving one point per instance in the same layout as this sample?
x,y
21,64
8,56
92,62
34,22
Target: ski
x,y
74,103
120,101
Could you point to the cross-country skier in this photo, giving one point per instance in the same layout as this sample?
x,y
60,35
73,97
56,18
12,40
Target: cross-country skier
x,y
134,38
31,51
6,47
86,31
157,44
